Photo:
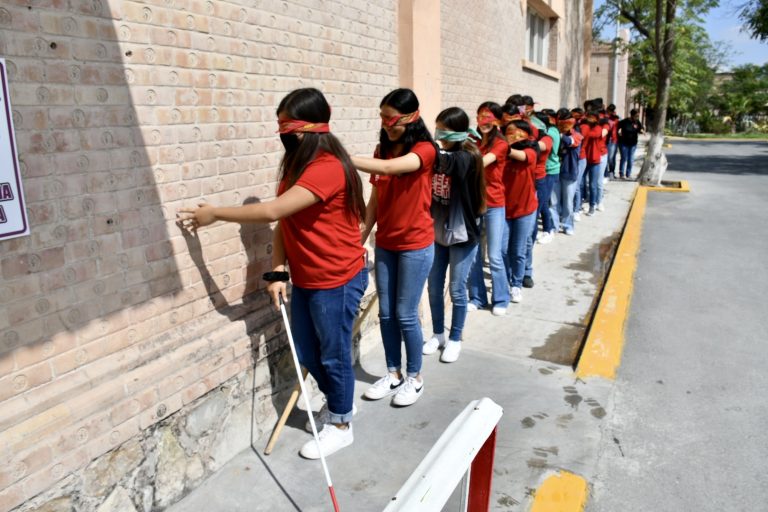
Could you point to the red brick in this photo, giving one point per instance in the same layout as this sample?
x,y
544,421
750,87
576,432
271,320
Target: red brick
x,y
36,262
23,464
11,497
29,355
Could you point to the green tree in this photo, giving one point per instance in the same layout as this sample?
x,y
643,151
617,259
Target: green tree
x,y
658,23
754,14
744,93
698,58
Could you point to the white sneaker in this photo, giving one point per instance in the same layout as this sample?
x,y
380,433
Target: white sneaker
x,y
605,180
323,416
577,217
331,439
385,386
451,352
600,207
569,231
545,238
471,306
437,341
408,392
517,295
499,311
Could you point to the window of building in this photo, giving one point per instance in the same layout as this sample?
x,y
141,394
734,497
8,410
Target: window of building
x,y
537,38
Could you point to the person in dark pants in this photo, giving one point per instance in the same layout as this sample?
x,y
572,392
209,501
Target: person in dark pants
x,y
628,131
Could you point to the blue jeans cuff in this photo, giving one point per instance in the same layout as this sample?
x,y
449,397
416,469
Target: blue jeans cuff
x,y
339,418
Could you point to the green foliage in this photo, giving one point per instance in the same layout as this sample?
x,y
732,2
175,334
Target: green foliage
x,y
696,61
693,59
754,14
744,93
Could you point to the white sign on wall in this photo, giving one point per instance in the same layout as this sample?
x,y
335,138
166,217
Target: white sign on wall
x,y
13,214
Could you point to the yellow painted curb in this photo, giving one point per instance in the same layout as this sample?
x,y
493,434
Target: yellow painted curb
x,y
672,186
564,492
605,341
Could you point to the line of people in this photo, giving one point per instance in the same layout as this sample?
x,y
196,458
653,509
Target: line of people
x,y
430,205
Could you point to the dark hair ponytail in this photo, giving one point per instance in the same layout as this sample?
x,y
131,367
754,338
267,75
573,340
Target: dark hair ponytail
x,y
310,105
405,102
455,119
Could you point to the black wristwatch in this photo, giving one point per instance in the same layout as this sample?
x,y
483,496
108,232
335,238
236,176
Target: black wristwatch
x,y
275,276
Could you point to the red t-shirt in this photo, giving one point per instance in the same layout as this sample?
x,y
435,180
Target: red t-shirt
x,y
322,241
403,217
494,183
593,137
613,135
520,187
541,163
604,124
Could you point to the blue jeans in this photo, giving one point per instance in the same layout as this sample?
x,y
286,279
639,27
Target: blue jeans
x,y
400,278
321,322
563,200
520,245
552,202
627,159
460,260
595,173
497,234
544,188
581,186
612,147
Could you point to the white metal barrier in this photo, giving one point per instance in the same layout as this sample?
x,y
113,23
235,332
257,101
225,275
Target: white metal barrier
x,y
466,448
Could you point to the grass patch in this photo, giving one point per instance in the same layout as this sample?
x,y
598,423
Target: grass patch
x,y
729,136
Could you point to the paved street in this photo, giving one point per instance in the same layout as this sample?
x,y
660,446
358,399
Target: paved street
x,y
686,426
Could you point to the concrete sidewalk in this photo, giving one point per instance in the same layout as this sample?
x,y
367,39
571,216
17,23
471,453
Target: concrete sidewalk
x,y
522,361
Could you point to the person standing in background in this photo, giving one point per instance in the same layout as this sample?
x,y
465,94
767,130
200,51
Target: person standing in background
x,y
628,130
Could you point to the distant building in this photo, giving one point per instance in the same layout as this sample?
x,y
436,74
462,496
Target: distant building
x,y
608,72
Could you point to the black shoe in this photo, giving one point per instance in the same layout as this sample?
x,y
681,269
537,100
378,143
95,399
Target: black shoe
x,y
527,282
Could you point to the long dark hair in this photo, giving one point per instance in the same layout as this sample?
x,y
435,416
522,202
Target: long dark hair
x,y
405,102
495,109
455,119
310,105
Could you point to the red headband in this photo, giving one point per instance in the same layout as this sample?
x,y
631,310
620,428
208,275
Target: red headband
x,y
508,118
295,125
399,119
514,134
485,117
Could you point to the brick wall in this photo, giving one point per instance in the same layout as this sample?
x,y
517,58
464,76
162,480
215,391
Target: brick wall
x,y
124,111
482,51
117,330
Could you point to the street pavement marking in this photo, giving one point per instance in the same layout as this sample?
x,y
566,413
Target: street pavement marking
x,y
605,341
563,492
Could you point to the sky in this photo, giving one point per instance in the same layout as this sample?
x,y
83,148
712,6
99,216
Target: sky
x,y
723,24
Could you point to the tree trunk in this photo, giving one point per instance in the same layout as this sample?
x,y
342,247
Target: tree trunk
x,y
655,164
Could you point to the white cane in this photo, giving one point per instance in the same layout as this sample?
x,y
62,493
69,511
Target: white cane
x,y
307,404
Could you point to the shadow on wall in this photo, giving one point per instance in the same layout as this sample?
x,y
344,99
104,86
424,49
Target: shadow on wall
x,y
100,241
255,309
108,150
